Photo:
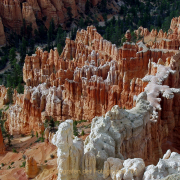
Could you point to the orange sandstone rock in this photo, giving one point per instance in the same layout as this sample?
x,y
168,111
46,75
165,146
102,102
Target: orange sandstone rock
x,y
28,15
2,146
86,80
31,167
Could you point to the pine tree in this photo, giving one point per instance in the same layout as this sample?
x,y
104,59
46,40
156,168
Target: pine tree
x,y
51,123
59,48
20,88
82,133
12,55
81,23
10,95
59,35
87,7
75,130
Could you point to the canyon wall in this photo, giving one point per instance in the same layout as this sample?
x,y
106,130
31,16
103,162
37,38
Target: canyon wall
x,y
13,12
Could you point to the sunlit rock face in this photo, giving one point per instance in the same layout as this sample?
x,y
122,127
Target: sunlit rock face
x,y
130,94
90,77
14,11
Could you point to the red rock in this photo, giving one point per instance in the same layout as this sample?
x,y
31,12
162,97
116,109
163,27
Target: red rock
x,y
86,80
2,34
2,146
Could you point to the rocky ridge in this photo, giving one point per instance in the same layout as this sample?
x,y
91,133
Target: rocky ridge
x,y
86,80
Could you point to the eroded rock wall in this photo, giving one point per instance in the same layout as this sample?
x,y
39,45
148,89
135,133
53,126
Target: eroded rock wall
x,y
13,12
2,34
88,78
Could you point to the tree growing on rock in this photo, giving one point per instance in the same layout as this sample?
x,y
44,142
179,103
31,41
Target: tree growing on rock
x,y
75,130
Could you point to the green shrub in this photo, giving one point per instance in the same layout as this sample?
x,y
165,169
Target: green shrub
x,y
75,130
52,156
36,134
23,164
14,150
12,163
82,133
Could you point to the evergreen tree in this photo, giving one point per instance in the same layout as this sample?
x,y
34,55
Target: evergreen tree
x,y
81,23
59,36
9,81
95,22
12,55
59,48
10,95
20,88
82,133
75,130
105,18
51,123
87,7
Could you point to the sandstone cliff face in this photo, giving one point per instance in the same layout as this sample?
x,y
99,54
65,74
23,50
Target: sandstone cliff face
x,y
28,15
2,34
13,12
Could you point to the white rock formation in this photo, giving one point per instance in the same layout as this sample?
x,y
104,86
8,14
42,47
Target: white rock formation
x,y
73,164
70,152
118,125
128,169
166,166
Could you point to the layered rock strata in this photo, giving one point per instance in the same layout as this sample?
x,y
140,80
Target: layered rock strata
x,y
13,12
87,79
